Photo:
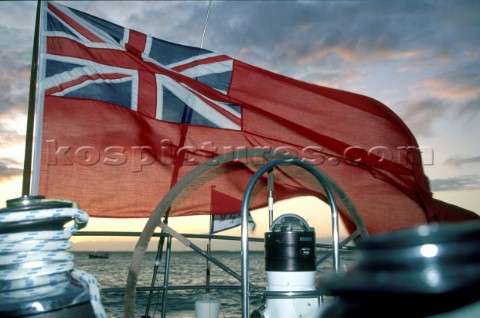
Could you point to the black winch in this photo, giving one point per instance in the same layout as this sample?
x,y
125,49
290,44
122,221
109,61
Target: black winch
x,y
417,272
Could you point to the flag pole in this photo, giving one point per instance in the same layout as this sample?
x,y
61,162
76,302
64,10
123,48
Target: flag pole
x,y
27,164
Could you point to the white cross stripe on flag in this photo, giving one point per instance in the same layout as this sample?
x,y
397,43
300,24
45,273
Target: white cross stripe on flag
x,y
199,105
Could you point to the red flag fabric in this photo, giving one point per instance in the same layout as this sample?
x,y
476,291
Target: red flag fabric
x,y
222,204
126,115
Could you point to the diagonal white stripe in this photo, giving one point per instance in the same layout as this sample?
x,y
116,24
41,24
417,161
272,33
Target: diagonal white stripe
x,y
98,32
89,68
206,69
193,58
196,103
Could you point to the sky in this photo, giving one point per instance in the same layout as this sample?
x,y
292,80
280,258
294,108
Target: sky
x,y
420,58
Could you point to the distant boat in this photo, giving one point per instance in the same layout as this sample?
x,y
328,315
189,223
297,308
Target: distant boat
x,y
99,255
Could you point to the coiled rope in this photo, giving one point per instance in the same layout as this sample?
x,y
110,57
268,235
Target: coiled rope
x,y
35,263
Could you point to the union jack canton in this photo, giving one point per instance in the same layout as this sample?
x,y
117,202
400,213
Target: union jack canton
x,y
90,58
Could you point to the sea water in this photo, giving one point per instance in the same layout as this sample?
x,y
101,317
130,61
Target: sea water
x,y
186,268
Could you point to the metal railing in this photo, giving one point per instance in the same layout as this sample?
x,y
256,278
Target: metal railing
x,y
255,291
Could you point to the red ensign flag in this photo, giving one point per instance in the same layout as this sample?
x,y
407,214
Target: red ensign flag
x,y
126,115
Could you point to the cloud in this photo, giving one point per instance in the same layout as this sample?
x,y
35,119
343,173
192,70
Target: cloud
x,y
10,138
420,115
459,84
16,41
470,108
460,89
366,30
317,41
9,169
13,10
459,161
466,182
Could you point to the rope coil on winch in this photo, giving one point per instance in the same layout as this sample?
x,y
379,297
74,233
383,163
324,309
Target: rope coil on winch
x,y
34,263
